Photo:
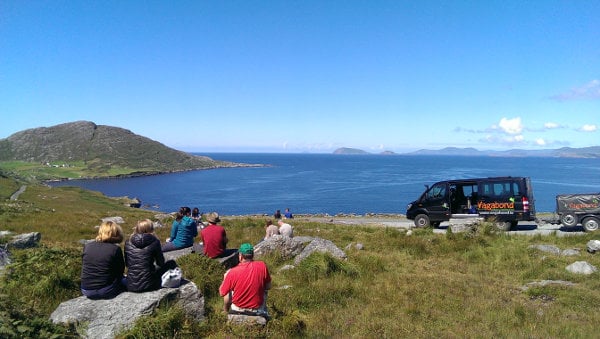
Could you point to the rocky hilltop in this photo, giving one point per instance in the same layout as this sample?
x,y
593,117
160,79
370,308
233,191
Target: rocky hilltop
x,y
100,148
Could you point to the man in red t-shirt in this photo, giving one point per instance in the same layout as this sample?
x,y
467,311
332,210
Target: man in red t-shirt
x,y
244,287
214,237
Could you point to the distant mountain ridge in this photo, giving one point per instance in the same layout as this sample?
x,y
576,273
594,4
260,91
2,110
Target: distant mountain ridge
x,y
565,152
100,147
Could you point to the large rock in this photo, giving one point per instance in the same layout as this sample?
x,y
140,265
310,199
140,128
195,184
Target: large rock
x,y
581,267
320,245
246,320
547,248
229,260
106,318
25,240
593,246
287,247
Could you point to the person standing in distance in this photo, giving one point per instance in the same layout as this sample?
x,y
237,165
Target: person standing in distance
x,y
244,287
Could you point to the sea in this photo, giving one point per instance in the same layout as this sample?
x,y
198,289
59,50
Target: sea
x,y
334,183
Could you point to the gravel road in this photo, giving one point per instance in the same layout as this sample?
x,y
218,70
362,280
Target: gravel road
x,y
400,221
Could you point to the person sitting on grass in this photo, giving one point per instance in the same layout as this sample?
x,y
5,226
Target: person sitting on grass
x,y
285,229
103,264
183,231
214,237
270,229
288,214
244,287
144,259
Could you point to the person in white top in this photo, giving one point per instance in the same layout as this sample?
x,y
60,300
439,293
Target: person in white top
x,y
285,229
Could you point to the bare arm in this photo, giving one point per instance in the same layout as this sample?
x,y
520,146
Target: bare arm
x,y
226,302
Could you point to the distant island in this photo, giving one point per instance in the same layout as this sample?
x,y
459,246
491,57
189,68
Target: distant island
x,y
564,152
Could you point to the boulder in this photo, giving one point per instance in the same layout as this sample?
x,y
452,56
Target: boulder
x,y
570,252
543,283
581,267
465,224
173,255
246,320
287,247
25,240
547,248
593,246
320,245
106,318
229,260
5,233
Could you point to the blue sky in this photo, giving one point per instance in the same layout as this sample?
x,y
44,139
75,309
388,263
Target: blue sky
x,y
307,76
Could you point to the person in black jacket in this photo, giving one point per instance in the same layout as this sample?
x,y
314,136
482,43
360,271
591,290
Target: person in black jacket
x,y
144,258
102,263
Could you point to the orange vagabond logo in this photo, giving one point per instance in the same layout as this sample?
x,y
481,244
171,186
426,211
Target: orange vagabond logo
x,y
490,206
582,206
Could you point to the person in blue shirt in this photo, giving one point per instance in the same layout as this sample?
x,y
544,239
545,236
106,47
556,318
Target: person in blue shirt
x,y
288,214
183,231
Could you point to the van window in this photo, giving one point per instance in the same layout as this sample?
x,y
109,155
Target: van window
x,y
436,192
501,189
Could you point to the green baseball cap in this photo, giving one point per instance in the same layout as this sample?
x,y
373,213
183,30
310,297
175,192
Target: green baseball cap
x,y
246,248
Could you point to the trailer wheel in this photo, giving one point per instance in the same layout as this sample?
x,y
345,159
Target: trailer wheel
x,y
568,219
422,220
591,224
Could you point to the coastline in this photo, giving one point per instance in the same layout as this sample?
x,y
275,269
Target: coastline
x,y
138,174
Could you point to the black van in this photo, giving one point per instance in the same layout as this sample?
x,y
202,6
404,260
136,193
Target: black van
x,y
507,200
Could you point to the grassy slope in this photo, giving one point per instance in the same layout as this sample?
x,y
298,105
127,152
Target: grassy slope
x,y
423,285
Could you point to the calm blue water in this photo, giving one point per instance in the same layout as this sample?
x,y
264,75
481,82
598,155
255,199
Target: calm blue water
x,y
328,183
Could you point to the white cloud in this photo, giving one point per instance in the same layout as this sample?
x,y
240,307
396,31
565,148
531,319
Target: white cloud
x,y
540,142
511,126
588,128
591,90
551,125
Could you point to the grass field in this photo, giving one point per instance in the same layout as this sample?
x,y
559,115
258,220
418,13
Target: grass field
x,y
420,285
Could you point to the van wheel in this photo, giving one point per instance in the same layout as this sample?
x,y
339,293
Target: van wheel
x,y
568,219
591,224
422,220
503,225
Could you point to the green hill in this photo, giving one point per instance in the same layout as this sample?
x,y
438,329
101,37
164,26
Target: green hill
x,y
84,149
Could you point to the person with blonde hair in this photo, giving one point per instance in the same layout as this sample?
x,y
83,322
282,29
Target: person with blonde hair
x,y
144,259
103,264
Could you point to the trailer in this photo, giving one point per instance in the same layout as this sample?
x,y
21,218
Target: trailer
x,y
575,209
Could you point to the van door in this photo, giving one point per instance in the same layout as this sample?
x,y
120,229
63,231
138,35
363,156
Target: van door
x,y
436,201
